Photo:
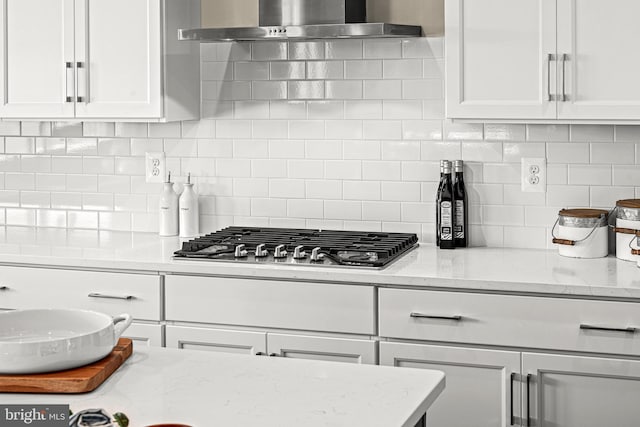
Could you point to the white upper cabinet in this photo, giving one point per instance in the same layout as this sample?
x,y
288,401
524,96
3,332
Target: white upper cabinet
x,y
99,60
497,58
602,60
543,60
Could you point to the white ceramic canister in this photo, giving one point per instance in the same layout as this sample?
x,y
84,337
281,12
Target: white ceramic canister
x,y
189,213
582,233
627,226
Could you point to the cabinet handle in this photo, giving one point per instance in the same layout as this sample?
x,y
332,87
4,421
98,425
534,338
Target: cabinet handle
x,y
79,67
529,400
4,288
564,58
428,316
273,355
513,377
550,57
68,78
629,330
259,353
99,295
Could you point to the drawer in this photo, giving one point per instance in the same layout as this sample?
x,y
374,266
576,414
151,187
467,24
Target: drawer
x,y
111,293
271,303
514,321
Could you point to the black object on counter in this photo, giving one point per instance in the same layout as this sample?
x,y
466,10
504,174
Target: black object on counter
x,y
461,221
446,208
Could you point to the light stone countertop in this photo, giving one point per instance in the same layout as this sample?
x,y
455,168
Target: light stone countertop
x,y
215,389
520,271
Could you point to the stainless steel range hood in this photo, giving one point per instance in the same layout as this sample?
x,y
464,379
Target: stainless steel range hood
x,y
305,20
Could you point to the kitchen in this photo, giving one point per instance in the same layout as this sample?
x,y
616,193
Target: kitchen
x,y
342,135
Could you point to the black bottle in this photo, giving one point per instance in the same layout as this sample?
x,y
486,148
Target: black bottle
x,y
438,193
446,209
461,222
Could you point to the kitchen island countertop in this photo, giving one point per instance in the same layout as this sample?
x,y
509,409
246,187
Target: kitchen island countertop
x,y
203,389
519,271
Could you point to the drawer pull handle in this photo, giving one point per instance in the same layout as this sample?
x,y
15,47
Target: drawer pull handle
x,y
512,419
629,330
529,400
122,297
4,288
428,316
259,353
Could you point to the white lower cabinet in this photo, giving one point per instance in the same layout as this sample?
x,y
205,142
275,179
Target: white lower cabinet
x,y
144,334
482,387
577,391
272,344
218,340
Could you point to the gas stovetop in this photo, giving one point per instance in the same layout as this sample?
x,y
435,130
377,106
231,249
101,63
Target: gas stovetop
x,y
290,246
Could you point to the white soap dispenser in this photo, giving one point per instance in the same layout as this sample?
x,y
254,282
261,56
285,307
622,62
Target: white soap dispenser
x,y
189,215
168,209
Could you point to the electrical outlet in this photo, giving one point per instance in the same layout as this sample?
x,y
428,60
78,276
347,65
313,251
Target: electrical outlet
x,y
156,167
534,175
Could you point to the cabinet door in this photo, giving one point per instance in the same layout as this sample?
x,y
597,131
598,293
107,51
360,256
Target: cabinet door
x,y
144,334
118,54
218,340
571,391
497,59
603,63
482,389
36,41
322,348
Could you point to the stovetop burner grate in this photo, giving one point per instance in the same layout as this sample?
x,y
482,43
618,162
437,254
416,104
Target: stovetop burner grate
x,y
334,247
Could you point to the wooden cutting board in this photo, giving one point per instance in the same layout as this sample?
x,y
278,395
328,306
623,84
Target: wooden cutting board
x,y
79,380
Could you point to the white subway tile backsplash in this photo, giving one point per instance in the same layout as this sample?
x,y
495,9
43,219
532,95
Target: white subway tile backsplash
x,y
591,133
363,70
342,134
401,191
306,50
344,49
325,70
606,197
287,109
402,69
363,109
567,152
269,51
305,209
590,174
383,129
382,89
548,133
324,149
342,209
568,196
292,70
287,188
622,153
384,48
400,150
362,190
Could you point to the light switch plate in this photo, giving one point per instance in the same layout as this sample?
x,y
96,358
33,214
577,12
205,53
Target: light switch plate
x,y
534,175
156,167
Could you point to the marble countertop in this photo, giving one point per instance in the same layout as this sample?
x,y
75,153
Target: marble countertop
x,y
214,389
521,271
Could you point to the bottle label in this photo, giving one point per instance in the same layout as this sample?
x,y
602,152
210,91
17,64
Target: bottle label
x,y
446,221
459,223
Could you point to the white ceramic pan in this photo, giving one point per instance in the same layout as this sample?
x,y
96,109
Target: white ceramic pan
x,y
47,340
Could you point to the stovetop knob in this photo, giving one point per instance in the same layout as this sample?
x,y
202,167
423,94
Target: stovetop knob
x,y
316,256
240,251
261,252
299,253
280,252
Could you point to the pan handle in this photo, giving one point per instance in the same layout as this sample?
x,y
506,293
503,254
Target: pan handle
x,y
120,324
